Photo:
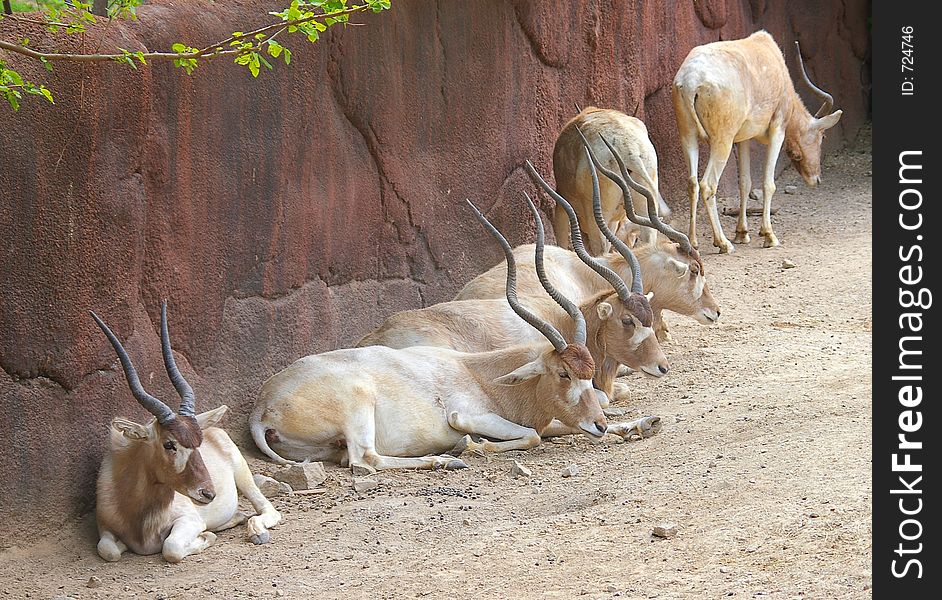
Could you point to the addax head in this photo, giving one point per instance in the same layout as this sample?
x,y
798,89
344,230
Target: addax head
x,y
172,438
626,331
563,374
803,144
678,282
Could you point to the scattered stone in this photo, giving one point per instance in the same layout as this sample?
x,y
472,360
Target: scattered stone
x,y
665,530
724,569
362,470
570,471
755,194
787,264
752,549
304,476
364,484
611,588
466,522
271,488
869,173
93,582
518,470
791,189
279,593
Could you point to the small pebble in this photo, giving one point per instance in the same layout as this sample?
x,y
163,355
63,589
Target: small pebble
x,y
361,470
93,582
791,189
570,471
271,488
518,470
787,264
364,484
665,530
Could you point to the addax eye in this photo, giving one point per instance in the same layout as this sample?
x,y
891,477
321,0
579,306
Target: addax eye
x,y
170,446
563,375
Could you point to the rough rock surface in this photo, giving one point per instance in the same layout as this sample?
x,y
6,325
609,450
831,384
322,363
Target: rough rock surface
x,y
288,215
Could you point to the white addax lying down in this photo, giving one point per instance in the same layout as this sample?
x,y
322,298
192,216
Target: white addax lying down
x,y
385,408
168,485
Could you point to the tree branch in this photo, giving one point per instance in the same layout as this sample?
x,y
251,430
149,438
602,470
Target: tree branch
x,y
208,52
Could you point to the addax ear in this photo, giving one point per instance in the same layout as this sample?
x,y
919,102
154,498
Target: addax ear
x,y
524,373
130,429
829,121
605,310
649,295
211,417
679,268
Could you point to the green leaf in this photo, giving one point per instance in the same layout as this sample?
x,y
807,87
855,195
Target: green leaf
x,y
294,13
264,62
140,57
46,93
11,97
47,64
179,48
274,48
287,56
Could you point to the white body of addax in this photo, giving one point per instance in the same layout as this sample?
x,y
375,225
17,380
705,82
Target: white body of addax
x,y
629,137
732,92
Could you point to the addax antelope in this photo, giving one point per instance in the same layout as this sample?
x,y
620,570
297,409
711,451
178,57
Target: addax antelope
x,y
166,486
574,180
730,93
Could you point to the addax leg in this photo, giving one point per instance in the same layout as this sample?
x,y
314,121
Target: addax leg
x,y
110,547
361,448
719,154
745,186
644,427
692,155
517,437
561,228
188,536
768,188
661,327
267,517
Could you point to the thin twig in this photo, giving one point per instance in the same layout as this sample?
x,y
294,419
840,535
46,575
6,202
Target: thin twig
x,y
35,21
209,52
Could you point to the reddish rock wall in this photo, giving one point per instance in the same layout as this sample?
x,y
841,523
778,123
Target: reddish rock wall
x,y
289,215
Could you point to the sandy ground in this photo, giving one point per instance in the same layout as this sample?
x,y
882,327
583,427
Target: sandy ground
x,y
763,463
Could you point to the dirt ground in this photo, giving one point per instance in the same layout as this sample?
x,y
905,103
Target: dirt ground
x,y
763,464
